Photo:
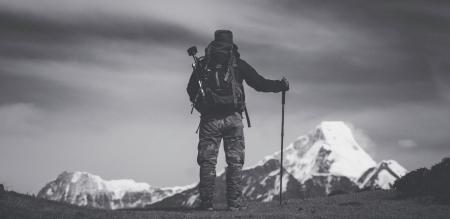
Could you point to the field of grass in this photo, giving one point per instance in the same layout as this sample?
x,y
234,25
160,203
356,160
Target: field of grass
x,y
371,204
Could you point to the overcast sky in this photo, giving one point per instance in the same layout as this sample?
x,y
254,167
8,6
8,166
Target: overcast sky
x,y
100,86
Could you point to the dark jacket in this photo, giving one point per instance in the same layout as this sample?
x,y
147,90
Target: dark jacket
x,y
244,72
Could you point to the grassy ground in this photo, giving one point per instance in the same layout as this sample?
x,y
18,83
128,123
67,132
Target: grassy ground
x,y
373,204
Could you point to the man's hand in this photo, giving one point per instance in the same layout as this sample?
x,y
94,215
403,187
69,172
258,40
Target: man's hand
x,y
285,84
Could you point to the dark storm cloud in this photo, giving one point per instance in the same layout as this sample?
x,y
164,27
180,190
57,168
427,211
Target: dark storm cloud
x,y
36,36
412,17
28,39
18,88
404,37
379,53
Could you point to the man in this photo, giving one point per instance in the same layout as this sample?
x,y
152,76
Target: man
x,y
221,102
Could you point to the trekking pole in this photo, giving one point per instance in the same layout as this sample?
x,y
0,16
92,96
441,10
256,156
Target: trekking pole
x,y
283,101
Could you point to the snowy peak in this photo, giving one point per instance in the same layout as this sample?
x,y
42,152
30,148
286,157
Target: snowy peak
x,y
85,182
382,176
85,189
329,149
118,187
334,131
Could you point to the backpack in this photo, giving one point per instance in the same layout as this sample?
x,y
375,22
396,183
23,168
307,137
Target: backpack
x,y
223,90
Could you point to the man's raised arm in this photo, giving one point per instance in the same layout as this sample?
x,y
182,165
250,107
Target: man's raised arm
x,y
258,82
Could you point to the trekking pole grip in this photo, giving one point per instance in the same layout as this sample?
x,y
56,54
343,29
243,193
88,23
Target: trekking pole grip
x,y
283,97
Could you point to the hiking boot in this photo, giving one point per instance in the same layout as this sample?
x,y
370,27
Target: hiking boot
x,y
205,206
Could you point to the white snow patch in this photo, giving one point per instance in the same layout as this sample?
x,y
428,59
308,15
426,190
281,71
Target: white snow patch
x,y
396,167
273,173
66,193
191,200
261,162
251,190
276,188
120,187
75,177
177,189
385,179
49,192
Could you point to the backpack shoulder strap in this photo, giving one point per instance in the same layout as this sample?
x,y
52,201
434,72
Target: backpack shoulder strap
x,y
231,71
233,66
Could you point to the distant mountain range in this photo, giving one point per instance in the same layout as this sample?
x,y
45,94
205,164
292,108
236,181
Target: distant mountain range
x,y
85,189
327,160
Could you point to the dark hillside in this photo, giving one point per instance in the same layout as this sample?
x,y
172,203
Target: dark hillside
x,y
423,182
372,204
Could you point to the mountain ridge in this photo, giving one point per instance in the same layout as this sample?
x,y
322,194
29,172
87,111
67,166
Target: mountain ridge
x,y
326,160
86,189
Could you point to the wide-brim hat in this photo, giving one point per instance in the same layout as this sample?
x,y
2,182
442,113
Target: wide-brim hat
x,y
225,36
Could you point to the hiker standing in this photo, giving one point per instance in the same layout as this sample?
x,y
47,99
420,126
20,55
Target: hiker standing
x,y
221,102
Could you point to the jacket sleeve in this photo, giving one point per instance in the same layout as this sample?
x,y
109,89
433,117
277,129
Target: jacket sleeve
x,y
192,87
256,81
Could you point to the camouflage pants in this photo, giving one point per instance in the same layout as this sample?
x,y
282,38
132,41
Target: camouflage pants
x,y
212,131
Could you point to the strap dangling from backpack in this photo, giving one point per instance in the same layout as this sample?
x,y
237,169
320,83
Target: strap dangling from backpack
x,y
246,116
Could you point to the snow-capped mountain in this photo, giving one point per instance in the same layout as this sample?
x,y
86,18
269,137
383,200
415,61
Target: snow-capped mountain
x,y
330,149
85,189
382,176
326,160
